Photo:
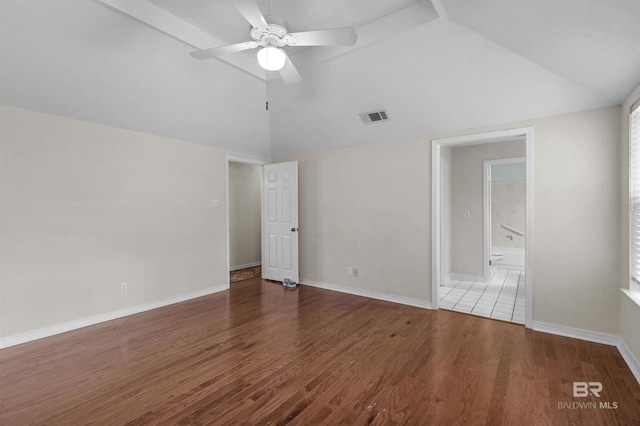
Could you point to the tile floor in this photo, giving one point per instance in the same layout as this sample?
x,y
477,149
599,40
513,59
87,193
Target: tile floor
x,y
501,298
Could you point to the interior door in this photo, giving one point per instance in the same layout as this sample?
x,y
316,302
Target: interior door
x,y
280,217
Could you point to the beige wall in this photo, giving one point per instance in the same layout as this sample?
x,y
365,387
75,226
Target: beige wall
x,y
508,206
369,207
245,182
576,196
467,244
629,312
85,207
629,320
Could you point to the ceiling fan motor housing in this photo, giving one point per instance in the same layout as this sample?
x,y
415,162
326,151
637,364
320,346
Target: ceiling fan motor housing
x,y
273,35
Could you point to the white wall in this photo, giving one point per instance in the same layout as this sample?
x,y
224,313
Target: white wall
x,y
629,311
85,207
467,244
369,207
245,183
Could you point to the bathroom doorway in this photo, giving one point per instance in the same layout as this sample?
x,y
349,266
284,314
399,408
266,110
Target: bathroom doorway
x,y
504,205
468,275
501,295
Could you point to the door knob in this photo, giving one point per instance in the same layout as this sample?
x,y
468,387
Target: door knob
x,y
294,229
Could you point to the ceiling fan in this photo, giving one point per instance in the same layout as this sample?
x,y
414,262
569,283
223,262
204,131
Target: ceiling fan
x,y
271,37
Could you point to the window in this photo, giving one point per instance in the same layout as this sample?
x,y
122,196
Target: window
x,y
634,196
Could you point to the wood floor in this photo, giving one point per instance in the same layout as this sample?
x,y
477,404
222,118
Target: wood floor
x,y
245,273
262,354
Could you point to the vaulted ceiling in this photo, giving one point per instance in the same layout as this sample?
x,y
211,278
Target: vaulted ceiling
x,y
434,65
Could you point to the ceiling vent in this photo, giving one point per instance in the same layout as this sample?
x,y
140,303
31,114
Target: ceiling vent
x,y
374,116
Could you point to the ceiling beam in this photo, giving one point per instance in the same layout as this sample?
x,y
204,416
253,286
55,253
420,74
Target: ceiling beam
x,y
439,7
161,20
379,30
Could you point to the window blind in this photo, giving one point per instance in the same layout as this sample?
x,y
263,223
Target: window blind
x,y
634,194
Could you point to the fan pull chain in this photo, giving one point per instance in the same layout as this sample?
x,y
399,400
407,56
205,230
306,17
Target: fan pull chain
x,y
266,104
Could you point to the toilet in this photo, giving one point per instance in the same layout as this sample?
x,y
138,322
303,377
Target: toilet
x,y
496,257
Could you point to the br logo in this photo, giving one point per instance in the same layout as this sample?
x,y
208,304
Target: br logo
x,y
583,389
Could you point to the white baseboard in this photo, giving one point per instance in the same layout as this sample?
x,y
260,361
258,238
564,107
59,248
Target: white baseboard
x,y
245,265
629,358
596,337
465,277
368,293
40,333
576,333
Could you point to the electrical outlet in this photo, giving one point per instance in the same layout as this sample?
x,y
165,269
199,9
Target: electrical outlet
x,y
467,214
123,287
355,272
349,270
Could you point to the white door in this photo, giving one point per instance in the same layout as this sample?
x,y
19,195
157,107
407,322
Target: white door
x,y
280,227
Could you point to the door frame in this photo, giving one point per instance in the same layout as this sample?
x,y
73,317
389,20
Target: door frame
x,y
486,207
522,133
234,159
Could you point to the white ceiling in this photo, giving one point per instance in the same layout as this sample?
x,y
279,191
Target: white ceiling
x,y
436,66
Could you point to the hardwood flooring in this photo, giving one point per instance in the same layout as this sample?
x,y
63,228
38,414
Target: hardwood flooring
x,y
263,354
245,273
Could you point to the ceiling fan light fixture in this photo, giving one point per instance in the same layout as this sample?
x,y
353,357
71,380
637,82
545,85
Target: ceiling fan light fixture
x,y
271,58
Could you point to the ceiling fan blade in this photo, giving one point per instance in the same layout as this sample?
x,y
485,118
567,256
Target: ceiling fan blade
x,y
289,73
249,9
223,50
345,36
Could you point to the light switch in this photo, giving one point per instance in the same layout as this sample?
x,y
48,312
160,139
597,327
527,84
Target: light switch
x,y
215,203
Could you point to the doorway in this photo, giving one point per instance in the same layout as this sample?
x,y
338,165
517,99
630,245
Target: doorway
x,y
243,218
504,205
442,206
